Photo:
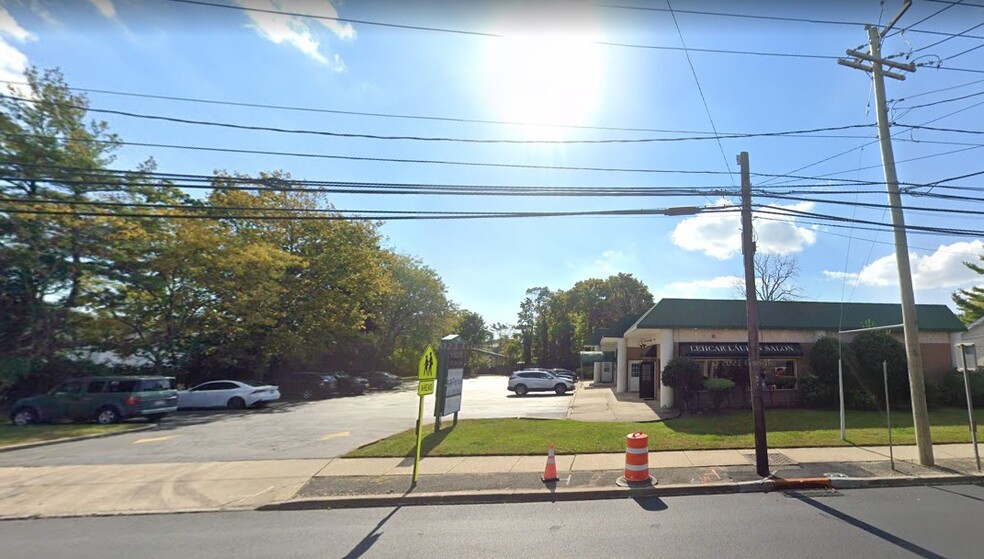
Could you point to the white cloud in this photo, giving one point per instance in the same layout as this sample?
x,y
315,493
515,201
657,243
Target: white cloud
x,y
13,62
105,7
942,269
610,261
10,27
295,30
696,288
719,234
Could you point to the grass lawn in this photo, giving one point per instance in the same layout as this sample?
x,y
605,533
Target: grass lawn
x,y
11,434
786,428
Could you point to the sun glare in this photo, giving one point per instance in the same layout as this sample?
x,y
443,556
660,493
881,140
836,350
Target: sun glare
x,y
545,78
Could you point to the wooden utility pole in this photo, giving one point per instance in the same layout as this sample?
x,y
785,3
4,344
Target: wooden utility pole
x,y
751,309
917,386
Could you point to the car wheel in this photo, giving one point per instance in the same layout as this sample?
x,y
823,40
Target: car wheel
x,y
24,416
560,389
521,390
307,394
155,417
107,416
236,403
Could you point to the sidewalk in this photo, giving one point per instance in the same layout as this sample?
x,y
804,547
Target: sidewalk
x,y
218,486
599,403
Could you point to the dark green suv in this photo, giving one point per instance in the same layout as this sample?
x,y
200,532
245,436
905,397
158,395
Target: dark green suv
x,y
103,399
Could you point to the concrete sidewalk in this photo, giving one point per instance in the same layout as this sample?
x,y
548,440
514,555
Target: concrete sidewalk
x,y
182,487
599,403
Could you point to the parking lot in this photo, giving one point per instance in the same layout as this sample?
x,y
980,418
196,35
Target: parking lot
x,y
288,430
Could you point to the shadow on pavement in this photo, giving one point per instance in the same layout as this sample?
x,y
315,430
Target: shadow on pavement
x,y
953,492
873,530
199,416
651,504
372,537
538,395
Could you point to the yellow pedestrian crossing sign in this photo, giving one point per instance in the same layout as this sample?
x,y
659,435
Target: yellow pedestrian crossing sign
x,y
427,368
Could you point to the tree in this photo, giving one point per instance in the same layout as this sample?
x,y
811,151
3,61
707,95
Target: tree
x,y
51,158
412,311
775,277
970,302
683,375
471,327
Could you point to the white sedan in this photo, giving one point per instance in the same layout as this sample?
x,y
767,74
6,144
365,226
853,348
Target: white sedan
x,y
233,394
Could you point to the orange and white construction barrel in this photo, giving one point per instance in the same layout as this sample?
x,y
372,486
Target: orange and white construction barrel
x,y
636,457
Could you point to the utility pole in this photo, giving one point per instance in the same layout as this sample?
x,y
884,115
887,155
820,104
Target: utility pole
x,y
917,387
751,310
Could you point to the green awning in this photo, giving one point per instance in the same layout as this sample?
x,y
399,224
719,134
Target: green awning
x,y
597,356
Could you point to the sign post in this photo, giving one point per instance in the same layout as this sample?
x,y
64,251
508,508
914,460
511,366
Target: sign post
x,y
450,377
965,349
426,373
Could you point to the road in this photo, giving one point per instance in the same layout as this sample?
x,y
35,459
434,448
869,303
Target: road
x,y
287,430
926,522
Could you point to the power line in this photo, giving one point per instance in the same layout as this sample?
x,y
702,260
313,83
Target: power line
x,y
945,39
907,97
775,18
432,138
942,101
330,217
700,90
499,35
414,161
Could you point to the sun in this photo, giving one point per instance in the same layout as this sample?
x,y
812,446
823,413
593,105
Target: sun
x,y
545,78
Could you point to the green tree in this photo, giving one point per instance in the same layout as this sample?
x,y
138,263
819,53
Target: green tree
x,y
53,161
683,375
412,311
970,302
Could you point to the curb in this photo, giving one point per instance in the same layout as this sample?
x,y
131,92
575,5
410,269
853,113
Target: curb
x,y
859,483
23,446
767,485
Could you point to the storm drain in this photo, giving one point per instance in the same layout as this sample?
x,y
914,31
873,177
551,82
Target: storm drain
x,y
775,459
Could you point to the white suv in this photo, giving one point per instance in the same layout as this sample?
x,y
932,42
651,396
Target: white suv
x,y
522,382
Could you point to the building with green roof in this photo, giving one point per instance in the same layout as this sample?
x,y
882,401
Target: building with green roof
x,y
714,333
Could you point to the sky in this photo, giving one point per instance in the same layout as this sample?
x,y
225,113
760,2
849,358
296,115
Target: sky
x,y
542,65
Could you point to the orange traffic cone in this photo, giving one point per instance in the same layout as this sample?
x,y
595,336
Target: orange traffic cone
x,y
550,472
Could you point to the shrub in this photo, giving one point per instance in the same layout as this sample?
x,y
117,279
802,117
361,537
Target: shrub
x,y
823,360
818,393
861,399
953,387
936,395
869,350
719,388
683,375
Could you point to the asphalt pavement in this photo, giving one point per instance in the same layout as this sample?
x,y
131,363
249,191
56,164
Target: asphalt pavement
x,y
921,522
287,430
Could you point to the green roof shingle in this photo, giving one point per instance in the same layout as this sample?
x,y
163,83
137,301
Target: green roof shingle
x,y
793,315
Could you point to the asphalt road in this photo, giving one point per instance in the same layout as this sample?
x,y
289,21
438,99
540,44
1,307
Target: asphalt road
x,y
287,430
921,522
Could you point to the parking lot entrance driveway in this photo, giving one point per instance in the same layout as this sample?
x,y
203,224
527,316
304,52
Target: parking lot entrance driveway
x,y
288,430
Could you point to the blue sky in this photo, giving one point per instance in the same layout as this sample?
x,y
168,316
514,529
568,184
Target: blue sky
x,y
547,69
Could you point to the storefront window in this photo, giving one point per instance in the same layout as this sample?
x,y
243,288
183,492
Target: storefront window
x,y
780,374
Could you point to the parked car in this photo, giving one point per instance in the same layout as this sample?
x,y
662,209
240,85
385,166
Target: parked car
x,y
350,385
525,381
103,399
309,386
381,380
232,394
563,373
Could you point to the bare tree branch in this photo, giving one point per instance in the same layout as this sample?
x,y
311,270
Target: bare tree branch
x,y
775,278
